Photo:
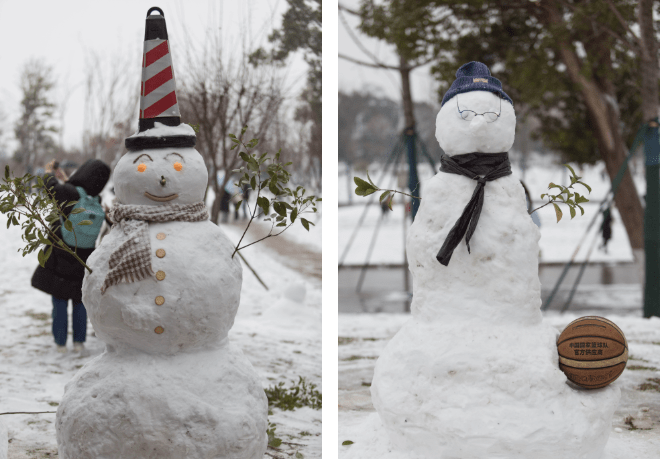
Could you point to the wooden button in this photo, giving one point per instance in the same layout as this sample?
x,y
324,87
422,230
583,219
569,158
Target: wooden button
x,y
160,253
160,275
159,329
160,300
161,236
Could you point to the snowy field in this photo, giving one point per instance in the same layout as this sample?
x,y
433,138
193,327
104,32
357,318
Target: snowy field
x,y
558,240
278,330
635,430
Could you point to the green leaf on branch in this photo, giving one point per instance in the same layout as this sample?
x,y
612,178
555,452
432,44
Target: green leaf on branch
x,y
572,210
571,169
85,223
272,186
280,208
580,199
41,256
363,188
584,185
294,214
383,196
264,203
557,212
306,223
68,225
371,181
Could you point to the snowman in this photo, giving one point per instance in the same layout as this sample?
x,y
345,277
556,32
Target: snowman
x,y
163,296
474,374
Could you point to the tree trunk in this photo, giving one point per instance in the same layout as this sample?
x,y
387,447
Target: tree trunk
x,y
604,116
648,61
649,76
406,95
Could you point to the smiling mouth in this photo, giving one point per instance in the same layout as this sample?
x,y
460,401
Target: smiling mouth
x,y
161,198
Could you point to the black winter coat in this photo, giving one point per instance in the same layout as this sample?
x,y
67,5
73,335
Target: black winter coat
x,y
63,275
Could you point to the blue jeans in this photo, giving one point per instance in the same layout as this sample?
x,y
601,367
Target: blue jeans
x,y
61,324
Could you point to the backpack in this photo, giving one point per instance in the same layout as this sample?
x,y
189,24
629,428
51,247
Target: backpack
x,y
86,235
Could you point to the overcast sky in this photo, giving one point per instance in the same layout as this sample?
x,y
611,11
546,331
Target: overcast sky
x,y
62,33
354,77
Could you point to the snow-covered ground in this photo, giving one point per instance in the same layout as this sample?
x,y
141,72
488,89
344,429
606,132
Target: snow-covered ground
x,y
33,374
635,428
558,240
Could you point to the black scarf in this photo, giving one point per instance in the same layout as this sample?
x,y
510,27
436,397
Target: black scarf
x,y
472,165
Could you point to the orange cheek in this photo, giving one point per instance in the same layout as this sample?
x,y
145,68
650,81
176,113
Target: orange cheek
x,y
142,167
178,166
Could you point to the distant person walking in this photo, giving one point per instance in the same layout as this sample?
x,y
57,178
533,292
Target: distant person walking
x,y
62,276
225,200
246,198
606,228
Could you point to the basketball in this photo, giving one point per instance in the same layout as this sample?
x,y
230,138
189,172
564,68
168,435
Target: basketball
x,y
593,352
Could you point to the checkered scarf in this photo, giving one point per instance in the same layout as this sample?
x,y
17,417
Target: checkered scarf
x,y
131,261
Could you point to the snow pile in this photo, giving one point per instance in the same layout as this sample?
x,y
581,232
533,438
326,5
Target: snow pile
x,y
474,373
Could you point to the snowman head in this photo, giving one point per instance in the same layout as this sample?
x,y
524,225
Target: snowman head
x,y
160,176
476,114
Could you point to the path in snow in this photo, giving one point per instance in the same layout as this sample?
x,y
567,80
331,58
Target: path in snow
x,y
33,374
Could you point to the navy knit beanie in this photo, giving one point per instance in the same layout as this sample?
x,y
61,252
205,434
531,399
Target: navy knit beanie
x,y
474,76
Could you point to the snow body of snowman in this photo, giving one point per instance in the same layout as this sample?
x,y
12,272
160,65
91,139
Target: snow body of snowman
x,y
169,384
474,373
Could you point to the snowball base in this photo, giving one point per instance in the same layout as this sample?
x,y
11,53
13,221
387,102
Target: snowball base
x,y
471,391
206,404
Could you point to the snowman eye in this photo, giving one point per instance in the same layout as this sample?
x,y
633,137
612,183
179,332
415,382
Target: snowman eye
x,y
143,154
178,166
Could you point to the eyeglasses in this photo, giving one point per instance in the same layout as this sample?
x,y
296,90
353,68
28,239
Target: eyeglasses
x,y
468,115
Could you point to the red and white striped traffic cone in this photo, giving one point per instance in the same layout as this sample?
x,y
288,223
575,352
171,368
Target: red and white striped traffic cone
x,y
158,102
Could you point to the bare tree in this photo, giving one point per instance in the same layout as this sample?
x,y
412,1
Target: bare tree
x,y
221,94
112,94
34,129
